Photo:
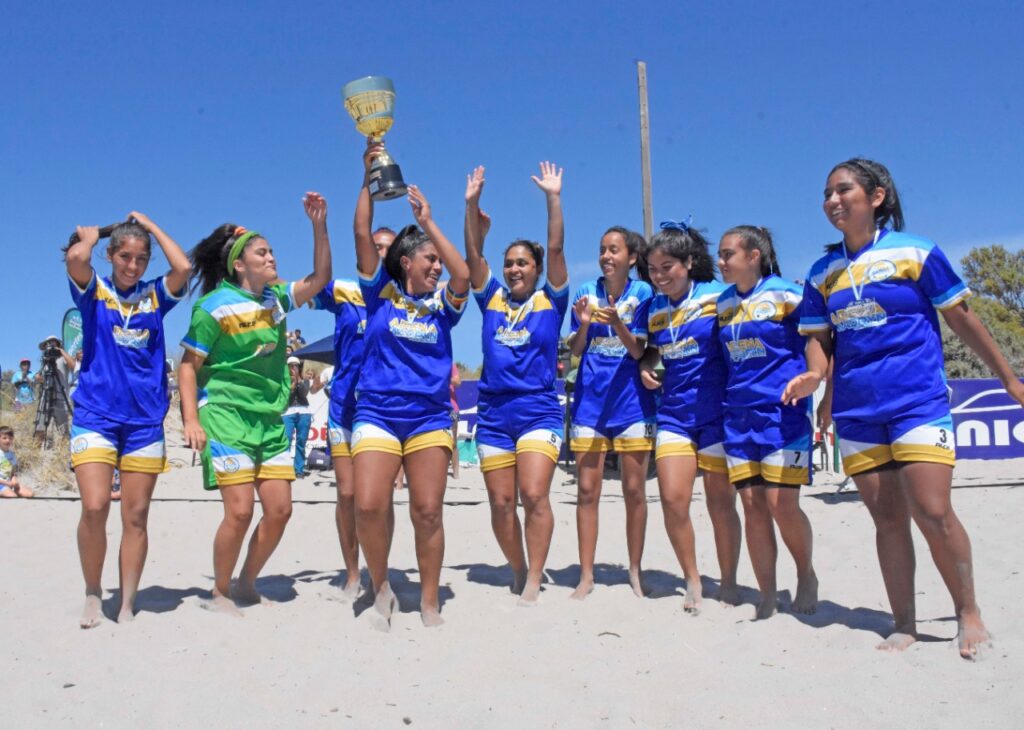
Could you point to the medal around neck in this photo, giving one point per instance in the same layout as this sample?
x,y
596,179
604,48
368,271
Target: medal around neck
x,y
370,102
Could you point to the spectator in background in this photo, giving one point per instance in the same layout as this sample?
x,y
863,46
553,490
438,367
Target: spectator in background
x,y
63,366
73,375
298,415
10,486
24,393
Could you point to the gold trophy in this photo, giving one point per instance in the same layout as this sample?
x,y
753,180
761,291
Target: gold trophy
x,y
370,102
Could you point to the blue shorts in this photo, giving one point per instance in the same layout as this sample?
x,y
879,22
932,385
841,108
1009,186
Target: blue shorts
x,y
96,439
514,423
923,433
769,443
399,424
705,442
340,419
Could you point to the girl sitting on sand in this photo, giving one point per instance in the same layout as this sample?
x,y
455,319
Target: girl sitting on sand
x,y
234,386
870,303
519,432
121,399
767,442
403,412
611,409
684,336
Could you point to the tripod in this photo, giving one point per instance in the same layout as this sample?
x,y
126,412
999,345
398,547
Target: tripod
x,y
53,388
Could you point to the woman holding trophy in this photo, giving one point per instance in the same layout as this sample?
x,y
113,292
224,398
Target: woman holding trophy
x,y
519,431
402,415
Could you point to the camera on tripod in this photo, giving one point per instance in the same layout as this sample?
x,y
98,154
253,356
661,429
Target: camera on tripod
x,y
51,353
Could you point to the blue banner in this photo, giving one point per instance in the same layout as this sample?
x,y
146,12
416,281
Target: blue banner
x,y
989,423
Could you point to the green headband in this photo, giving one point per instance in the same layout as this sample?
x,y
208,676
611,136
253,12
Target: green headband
x,y
236,248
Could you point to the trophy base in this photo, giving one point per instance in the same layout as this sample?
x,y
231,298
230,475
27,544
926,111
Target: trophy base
x,y
386,183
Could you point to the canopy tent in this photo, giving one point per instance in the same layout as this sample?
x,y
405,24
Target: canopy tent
x,y
319,351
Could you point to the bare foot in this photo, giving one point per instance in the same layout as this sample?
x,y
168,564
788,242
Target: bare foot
x,y
806,600
896,641
385,604
693,598
519,581
220,603
636,582
245,594
767,608
92,612
530,595
127,615
972,635
584,589
430,616
728,594
351,590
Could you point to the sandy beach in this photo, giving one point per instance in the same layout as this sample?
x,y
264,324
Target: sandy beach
x,y
611,661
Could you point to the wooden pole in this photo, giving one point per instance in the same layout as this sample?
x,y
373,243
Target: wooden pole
x,y
645,149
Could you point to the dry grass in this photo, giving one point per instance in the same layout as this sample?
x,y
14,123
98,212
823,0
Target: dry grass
x,y
45,467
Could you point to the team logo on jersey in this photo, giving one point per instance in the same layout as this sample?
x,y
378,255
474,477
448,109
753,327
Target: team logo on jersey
x,y
608,346
746,349
231,465
881,270
692,313
265,349
764,311
425,332
79,445
860,315
362,327
335,436
136,339
146,305
680,350
512,337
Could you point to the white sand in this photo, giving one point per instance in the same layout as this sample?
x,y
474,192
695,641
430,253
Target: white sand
x,y
612,661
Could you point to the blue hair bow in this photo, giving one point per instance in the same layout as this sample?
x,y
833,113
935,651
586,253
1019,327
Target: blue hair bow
x,y
683,226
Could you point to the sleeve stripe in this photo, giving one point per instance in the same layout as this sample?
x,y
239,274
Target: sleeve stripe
x,y
487,280
79,289
171,295
951,297
373,277
195,347
806,326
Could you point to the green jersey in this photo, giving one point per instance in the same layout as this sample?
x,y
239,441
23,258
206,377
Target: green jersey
x,y
242,338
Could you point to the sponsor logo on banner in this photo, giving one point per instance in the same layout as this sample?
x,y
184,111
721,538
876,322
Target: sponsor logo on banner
x,y
988,423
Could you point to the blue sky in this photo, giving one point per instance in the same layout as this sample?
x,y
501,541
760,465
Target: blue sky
x,y
202,113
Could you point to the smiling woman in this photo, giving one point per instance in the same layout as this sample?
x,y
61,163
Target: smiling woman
x,y
234,386
121,399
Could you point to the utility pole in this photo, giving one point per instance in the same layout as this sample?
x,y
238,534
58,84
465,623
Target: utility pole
x,y
645,149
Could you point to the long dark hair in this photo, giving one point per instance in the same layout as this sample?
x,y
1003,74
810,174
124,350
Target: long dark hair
x,y
406,242
117,233
210,258
760,238
689,244
872,175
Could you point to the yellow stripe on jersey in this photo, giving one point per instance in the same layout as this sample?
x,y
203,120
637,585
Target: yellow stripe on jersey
x,y
234,324
768,305
344,294
145,304
683,315
497,303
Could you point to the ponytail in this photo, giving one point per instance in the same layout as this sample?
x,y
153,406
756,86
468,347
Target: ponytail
x,y
210,258
760,238
117,233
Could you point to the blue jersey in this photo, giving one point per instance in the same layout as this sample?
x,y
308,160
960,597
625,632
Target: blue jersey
x,y
608,388
520,339
762,347
686,335
124,365
888,347
408,339
345,300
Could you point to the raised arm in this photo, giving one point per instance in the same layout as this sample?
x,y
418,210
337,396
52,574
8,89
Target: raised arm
x,y
975,335
181,267
367,257
78,258
458,271
476,226
307,288
550,181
